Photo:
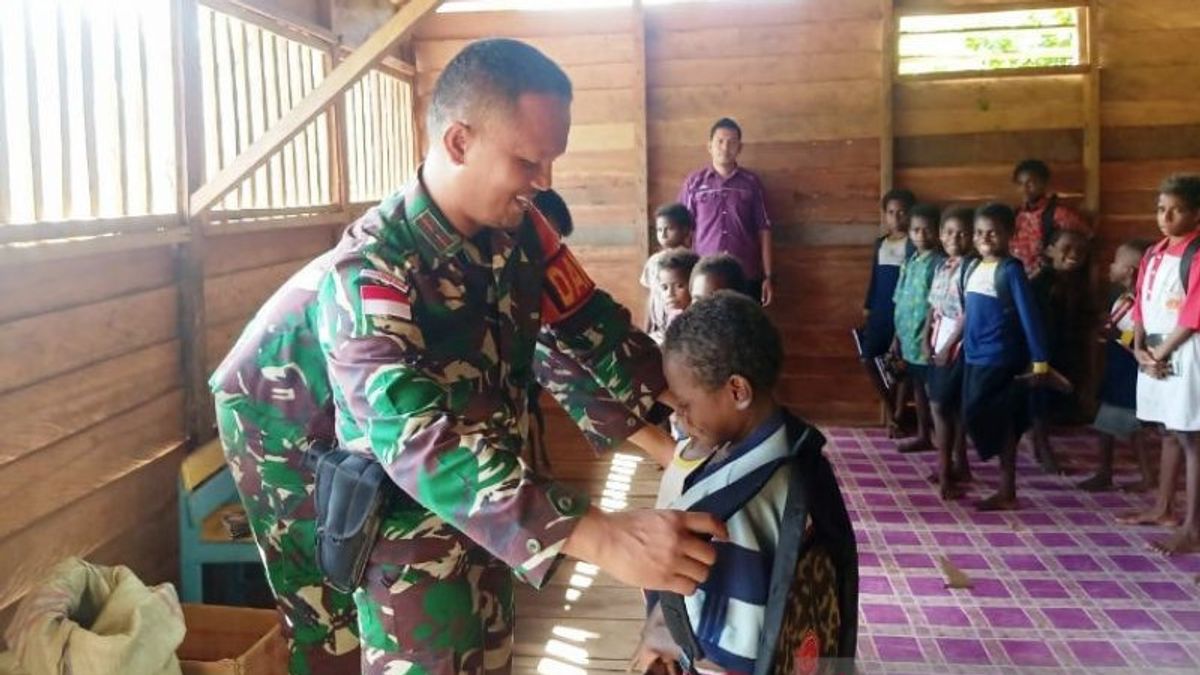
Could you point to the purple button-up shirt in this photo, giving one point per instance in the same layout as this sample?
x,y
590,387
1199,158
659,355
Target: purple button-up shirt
x,y
730,214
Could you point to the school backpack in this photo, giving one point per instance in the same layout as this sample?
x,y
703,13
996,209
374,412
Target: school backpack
x,y
1185,261
812,607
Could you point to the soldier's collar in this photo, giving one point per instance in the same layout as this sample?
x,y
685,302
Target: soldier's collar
x,y
433,234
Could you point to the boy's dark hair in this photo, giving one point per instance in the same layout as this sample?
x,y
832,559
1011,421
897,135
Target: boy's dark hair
x,y
724,123
905,197
725,267
1139,245
963,214
677,214
929,213
491,75
1000,214
1185,186
723,335
1034,166
551,204
679,260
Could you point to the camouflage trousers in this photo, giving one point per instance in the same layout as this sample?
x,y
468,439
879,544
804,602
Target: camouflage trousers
x,y
433,601
276,491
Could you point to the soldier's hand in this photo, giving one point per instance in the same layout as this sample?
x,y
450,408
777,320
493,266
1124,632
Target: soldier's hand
x,y
655,550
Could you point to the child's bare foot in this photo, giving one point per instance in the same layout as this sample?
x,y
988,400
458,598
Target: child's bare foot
x,y
1050,463
1151,516
951,491
997,502
1101,482
1138,487
1183,541
918,444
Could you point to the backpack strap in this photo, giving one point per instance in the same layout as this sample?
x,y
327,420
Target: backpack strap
x,y
788,549
964,273
1048,219
1185,263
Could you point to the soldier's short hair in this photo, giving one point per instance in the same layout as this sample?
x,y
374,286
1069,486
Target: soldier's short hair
x,y
491,75
723,335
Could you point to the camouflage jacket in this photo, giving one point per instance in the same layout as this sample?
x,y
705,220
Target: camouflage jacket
x,y
418,344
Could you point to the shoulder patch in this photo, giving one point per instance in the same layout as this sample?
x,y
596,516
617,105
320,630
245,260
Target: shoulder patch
x,y
386,279
381,300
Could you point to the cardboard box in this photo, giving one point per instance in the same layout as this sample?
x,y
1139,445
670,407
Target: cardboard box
x,y
224,640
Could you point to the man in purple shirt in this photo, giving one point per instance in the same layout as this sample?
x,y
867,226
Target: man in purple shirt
x,y
728,205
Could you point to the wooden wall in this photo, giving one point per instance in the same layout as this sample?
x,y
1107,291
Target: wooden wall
x,y
803,81
91,416
91,402
1150,107
806,82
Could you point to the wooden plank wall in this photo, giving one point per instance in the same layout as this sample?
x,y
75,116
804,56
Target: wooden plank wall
x,y
91,416
804,81
1150,108
242,270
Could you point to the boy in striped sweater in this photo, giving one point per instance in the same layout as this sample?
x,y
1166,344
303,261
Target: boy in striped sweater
x,y
753,464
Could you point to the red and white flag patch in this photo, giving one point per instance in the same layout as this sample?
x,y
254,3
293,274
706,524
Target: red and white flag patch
x,y
385,301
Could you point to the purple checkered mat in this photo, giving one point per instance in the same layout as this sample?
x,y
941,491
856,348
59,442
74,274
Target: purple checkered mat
x,y
1057,585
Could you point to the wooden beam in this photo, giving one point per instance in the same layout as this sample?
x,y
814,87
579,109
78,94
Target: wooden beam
x,y
1091,116
277,21
887,102
64,103
123,162
66,229
999,73
4,187
87,55
338,167
31,100
641,154
199,416
918,7
344,76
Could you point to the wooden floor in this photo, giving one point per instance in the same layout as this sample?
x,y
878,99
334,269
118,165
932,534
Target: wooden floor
x,y
583,621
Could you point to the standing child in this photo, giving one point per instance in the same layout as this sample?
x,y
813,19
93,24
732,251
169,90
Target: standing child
x,y
1001,336
943,342
1063,292
1117,415
891,250
1166,315
1042,214
912,310
673,227
674,280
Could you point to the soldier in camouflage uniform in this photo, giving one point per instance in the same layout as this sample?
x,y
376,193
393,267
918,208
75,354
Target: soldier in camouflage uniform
x,y
419,330
604,421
